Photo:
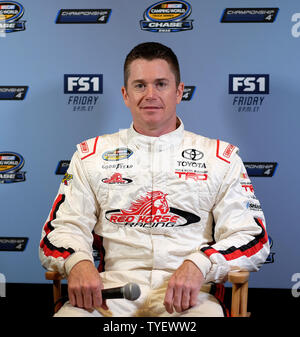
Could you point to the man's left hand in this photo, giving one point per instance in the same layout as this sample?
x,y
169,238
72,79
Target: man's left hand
x,y
183,287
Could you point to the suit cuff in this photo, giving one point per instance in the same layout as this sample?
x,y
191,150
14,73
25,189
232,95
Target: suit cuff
x,y
201,261
75,258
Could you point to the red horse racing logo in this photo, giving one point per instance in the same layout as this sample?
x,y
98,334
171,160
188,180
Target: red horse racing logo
x,y
151,211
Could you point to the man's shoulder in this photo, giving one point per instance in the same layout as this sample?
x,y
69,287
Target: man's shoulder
x,y
221,150
92,146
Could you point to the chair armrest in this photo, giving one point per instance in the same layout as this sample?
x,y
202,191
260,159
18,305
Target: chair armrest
x,y
53,276
238,277
56,277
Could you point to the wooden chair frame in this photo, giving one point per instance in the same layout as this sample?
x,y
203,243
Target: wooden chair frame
x,y
239,296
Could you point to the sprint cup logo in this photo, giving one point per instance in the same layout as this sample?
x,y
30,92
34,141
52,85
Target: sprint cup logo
x,y
151,211
10,14
167,16
10,165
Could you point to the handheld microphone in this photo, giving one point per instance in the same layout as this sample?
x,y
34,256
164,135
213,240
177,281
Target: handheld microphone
x,y
131,292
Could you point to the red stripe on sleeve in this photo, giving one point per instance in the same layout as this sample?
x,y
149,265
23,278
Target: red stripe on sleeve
x,y
48,248
58,200
94,149
218,151
55,253
234,253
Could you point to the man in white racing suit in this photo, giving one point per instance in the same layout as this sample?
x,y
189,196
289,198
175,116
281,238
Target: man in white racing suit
x,y
170,210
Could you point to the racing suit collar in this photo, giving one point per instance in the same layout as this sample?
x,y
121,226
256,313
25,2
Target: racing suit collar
x,y
160,143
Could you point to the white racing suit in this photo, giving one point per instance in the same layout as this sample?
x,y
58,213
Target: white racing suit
x,y
151,203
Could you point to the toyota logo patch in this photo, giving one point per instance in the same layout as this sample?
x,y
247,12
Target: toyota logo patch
x,y
192,154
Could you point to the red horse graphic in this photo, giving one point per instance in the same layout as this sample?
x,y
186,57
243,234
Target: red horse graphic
x,y
149,205
115,178
150,211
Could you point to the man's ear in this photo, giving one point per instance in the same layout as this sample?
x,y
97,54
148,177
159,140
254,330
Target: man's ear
x,y
179,92
125,95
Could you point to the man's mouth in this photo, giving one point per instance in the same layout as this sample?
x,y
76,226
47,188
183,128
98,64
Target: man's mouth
x,y
151,107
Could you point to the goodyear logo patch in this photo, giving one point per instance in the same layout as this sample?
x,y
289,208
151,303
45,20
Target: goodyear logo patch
x,y
167,16
117,154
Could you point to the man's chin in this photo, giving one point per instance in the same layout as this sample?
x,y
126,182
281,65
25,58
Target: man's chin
x,y
153,122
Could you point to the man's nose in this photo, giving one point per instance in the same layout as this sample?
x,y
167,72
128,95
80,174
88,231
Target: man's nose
x,y
151,91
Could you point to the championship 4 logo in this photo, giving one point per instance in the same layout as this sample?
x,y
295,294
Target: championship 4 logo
x,y
151,211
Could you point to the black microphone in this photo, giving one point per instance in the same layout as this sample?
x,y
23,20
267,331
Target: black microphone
x,y
131,291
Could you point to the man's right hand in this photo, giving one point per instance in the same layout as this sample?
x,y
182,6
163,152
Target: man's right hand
x,y
85,285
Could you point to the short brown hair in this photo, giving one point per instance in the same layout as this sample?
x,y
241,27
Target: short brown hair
x,y
150,51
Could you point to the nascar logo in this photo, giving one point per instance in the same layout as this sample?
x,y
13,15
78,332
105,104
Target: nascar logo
x,y
10,162
167,16
10,14
117,154
10,165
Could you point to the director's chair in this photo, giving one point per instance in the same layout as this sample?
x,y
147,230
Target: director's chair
x,y
239,296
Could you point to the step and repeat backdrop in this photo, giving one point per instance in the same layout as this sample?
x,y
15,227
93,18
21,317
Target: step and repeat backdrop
x,y
60,83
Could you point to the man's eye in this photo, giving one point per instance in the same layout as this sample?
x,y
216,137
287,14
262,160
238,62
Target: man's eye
x,y
161,85
139,86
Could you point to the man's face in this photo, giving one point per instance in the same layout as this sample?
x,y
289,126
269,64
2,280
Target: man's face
x,y
152,95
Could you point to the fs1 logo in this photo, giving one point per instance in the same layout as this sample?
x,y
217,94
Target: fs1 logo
x,y
249,91
83,84
84,90
249,84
